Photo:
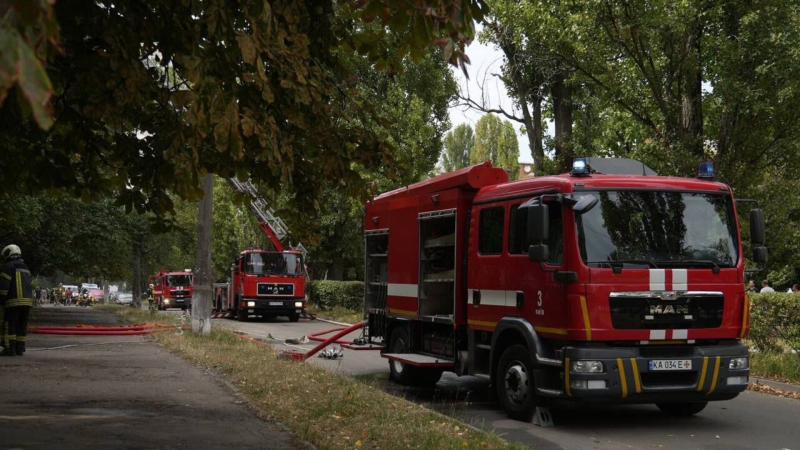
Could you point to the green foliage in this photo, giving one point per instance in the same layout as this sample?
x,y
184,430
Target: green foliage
x,y
670,84
775,322
496,141
328,294
458,146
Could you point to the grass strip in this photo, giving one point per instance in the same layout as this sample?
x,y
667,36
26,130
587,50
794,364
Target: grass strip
x,y
337,314
329,410
776,366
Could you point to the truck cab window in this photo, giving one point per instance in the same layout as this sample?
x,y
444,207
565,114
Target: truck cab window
x,y
518,239
491,230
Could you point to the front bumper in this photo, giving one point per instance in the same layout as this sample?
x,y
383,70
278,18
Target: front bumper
x,y
177,302
628,378
272,306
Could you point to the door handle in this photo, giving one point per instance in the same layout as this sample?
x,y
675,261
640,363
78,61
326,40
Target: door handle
x,y
520,299
476,297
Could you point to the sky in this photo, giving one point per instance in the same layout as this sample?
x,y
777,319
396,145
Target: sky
x,y
486,60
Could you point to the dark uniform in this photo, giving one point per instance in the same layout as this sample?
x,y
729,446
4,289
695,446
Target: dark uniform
x,y
16,298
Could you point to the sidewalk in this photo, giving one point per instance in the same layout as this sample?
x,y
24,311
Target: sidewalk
x,y
119,392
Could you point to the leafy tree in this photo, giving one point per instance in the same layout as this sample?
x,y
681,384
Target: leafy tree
x,y
251,88
458,146
496,141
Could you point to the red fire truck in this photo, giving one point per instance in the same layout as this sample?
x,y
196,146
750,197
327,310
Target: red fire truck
x,y
172,289
606,284
268,283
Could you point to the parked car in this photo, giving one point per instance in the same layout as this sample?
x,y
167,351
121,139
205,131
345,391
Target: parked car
x,y
124,298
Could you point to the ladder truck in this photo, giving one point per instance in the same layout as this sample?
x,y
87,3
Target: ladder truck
x,y
606,284
268,283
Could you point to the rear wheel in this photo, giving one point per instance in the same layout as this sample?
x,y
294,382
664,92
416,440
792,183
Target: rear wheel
x,y
681,409
514,383
403,373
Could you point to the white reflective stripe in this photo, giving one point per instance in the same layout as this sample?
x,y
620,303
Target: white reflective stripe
x,y
680,334
156,292
658,335
679,280
402,290
658,278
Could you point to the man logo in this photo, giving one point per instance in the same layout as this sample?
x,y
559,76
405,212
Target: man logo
x,y
669,309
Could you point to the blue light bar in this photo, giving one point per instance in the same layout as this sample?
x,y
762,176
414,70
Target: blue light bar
x,y
579,167
706,170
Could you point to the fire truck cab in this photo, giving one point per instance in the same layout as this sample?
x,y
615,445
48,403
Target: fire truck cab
x,y
606,284
267,283
172,289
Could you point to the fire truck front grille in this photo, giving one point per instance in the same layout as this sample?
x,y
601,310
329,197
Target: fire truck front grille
x,y
652,311
180,292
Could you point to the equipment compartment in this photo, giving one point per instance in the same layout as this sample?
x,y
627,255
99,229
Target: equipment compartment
x,y
437,266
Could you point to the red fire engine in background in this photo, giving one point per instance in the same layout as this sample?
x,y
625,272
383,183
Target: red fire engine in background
x,y
606,284
268,283
172,289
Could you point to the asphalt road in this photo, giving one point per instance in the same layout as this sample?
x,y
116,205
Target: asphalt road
x,y
120,392
751,421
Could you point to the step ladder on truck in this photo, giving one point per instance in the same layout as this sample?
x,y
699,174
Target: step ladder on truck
x,y
268,283
605,284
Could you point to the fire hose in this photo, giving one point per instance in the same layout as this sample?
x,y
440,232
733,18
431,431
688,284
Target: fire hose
x,y
323,342
100,330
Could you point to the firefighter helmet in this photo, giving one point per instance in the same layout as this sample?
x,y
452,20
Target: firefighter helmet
x,y
10,250
152,286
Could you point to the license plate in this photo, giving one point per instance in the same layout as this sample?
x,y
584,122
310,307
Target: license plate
x,y
180,300
275,303
671,364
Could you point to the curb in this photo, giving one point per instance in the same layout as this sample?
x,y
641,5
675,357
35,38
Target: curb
x,y
775,384
341,324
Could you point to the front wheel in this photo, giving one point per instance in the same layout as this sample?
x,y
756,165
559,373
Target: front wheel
x,y
294,317
242,315
514,383
681,409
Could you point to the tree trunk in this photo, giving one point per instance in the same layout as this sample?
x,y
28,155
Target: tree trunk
x,y
538,132
201,300
137,276
692,95
562,113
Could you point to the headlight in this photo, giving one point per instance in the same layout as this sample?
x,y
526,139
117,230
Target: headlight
x,y
298,304
738,363
166,301
251,304
587,367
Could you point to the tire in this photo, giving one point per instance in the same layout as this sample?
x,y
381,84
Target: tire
x,y
294,317
514,383
403,373
241,316
681,409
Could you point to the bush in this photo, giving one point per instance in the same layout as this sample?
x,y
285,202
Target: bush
x,y
327,294
775,322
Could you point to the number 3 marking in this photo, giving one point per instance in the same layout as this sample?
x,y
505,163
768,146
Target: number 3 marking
x,y
540,298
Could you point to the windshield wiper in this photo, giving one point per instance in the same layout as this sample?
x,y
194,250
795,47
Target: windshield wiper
x,y
714,266
618,264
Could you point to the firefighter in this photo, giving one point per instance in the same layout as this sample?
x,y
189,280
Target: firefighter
x,y
16,295
59,294
151,299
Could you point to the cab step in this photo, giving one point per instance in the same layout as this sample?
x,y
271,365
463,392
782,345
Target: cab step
x,y
414,359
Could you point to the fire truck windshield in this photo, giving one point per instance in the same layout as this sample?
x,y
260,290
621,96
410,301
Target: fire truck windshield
x,y
658,229
273,264
179,280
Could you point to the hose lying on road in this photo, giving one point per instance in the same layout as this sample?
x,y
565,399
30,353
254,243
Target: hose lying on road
x,y
302,356
101,330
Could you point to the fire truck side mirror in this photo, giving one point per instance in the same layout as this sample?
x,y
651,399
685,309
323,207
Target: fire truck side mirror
x,y
760,254
586,203
539,252
538,223
758,234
